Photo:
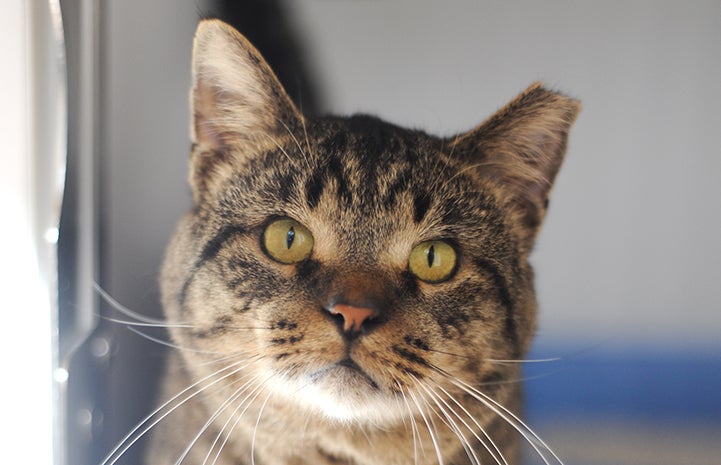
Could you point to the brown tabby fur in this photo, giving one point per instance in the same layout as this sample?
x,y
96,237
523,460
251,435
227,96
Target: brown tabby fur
x,y
282,383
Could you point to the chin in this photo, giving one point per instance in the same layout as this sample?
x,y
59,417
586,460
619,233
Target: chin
x,y
345,395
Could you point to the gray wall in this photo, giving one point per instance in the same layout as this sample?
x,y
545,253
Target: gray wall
x,y
630,250
145,140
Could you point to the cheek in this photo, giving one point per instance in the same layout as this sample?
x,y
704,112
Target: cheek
x,y
208,301
224,305
441,333
297,337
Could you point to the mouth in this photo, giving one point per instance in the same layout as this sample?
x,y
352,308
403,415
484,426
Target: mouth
x,y
344,391
346,373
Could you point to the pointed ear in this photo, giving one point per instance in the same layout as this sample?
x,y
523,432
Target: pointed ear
x,y
236,100
519,150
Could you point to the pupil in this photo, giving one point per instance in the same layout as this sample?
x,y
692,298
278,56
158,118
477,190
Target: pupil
x,y
289,239
431,256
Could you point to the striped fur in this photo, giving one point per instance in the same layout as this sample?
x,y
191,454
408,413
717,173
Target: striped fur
x,y
285,385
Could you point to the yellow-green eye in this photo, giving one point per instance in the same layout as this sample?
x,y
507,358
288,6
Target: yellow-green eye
x,y
432,261
287,241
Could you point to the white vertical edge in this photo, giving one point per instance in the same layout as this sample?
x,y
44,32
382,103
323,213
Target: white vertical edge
x,y
43,156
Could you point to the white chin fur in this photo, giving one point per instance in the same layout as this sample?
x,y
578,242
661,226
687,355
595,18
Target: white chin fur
x,y
344,396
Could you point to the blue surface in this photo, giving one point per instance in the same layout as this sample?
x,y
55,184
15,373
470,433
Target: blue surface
x,y
637,385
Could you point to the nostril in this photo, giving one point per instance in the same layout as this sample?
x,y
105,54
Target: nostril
x,y
353,318
337,318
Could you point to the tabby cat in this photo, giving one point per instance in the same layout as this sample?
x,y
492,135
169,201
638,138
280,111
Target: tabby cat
x,y
346,291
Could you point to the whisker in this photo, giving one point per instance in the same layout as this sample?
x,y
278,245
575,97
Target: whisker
x,y
528,434
135,434
125,310
414,427
237,393
305,156
280,147
523,378
170,344
501,361
538,360
254,393
226,356
449,353
145,325
454,144
255,430
478,425
470,453
305,132
463,170
431,431
178,325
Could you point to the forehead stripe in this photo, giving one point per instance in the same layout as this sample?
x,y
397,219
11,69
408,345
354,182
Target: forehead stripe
x,y
314,187
421,203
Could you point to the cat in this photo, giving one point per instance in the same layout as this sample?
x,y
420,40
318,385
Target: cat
x,y
344,290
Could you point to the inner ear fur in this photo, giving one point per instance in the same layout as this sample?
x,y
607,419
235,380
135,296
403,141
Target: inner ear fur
x,y
238,106
519,151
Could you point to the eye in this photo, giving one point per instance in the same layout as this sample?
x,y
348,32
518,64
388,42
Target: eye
x,y
433,261
287,241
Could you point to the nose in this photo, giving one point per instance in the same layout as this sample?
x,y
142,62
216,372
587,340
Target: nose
x,y
353,317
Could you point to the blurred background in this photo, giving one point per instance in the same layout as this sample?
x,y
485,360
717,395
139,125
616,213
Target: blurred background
x,y
628,263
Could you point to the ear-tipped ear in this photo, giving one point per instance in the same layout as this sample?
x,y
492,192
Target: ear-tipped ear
x,y
235,98
520,149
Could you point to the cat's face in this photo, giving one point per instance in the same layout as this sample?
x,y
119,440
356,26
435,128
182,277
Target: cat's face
x,y
347,266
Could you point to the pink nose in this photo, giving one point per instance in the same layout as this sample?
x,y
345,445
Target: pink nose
x,y
353,317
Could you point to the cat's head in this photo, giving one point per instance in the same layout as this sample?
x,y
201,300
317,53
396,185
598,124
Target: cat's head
x,y
348,265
